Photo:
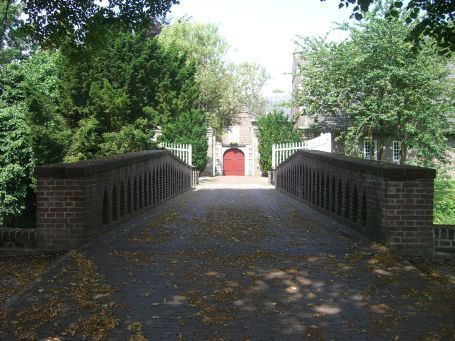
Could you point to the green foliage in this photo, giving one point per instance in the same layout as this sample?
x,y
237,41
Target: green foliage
x,y
104,95
375,84
14,44
124,83
34,84
190,127
444,201
274,127
86,141
226,89
90,141
16,163
51,22
134,137
201,41
107,103
430,18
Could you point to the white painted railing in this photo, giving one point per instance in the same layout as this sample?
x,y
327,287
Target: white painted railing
x,y
182,150
281,151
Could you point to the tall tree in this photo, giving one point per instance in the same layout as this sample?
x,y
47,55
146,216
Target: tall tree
x,y
226,89
377,84
122,82
14,43
51,22
430,18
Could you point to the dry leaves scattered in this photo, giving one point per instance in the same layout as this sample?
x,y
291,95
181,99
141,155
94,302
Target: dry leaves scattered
x,y
136,331
17,273
74,302
230,224
160,230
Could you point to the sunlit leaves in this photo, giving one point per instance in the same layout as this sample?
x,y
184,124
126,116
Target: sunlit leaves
x,y
226,89
374,83
429,18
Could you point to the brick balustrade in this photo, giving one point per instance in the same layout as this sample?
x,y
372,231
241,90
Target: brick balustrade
x,y
387,202
77,201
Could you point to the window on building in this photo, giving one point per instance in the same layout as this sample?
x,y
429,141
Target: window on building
x,y
370,151
396,151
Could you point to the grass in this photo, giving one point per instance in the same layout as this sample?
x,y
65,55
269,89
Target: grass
x,y
444,208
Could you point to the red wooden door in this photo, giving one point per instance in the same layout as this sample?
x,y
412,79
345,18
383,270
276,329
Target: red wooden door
x,y
234,162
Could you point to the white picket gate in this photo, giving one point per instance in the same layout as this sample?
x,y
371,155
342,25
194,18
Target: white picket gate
x,y
281,151
182,150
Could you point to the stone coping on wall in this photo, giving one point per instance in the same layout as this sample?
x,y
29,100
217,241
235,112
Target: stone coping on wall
x,y
88,167
386,170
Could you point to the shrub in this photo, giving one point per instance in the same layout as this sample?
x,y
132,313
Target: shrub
x,y
190,127
444,202
16,163
274,127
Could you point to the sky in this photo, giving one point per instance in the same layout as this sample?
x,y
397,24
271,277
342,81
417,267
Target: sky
x,y
264,31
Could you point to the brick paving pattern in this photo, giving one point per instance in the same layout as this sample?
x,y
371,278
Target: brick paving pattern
x,y
234,260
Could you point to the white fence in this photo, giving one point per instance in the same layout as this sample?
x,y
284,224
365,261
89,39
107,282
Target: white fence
x,y
323,143
281,151
181,150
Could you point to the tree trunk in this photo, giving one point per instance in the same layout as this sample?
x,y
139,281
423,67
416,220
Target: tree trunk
x,y
403,152
380,148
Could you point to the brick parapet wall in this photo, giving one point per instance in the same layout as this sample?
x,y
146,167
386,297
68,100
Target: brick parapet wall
x,y
387,202
78,201
444,240
17,238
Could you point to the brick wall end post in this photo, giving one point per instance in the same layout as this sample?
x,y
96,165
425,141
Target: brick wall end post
x,y
408,216
60,213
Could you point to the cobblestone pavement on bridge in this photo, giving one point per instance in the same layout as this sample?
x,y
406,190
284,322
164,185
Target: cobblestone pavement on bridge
x,y
233,260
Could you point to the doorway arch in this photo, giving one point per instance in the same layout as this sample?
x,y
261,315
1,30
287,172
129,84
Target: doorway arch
x,y
234,162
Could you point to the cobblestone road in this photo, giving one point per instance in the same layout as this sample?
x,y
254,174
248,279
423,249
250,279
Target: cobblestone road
x,y
234,260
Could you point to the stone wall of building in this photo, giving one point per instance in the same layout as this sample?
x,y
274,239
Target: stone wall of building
x,y
211,142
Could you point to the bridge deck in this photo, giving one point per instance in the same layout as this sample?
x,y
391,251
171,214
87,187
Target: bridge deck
x,y
236,259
